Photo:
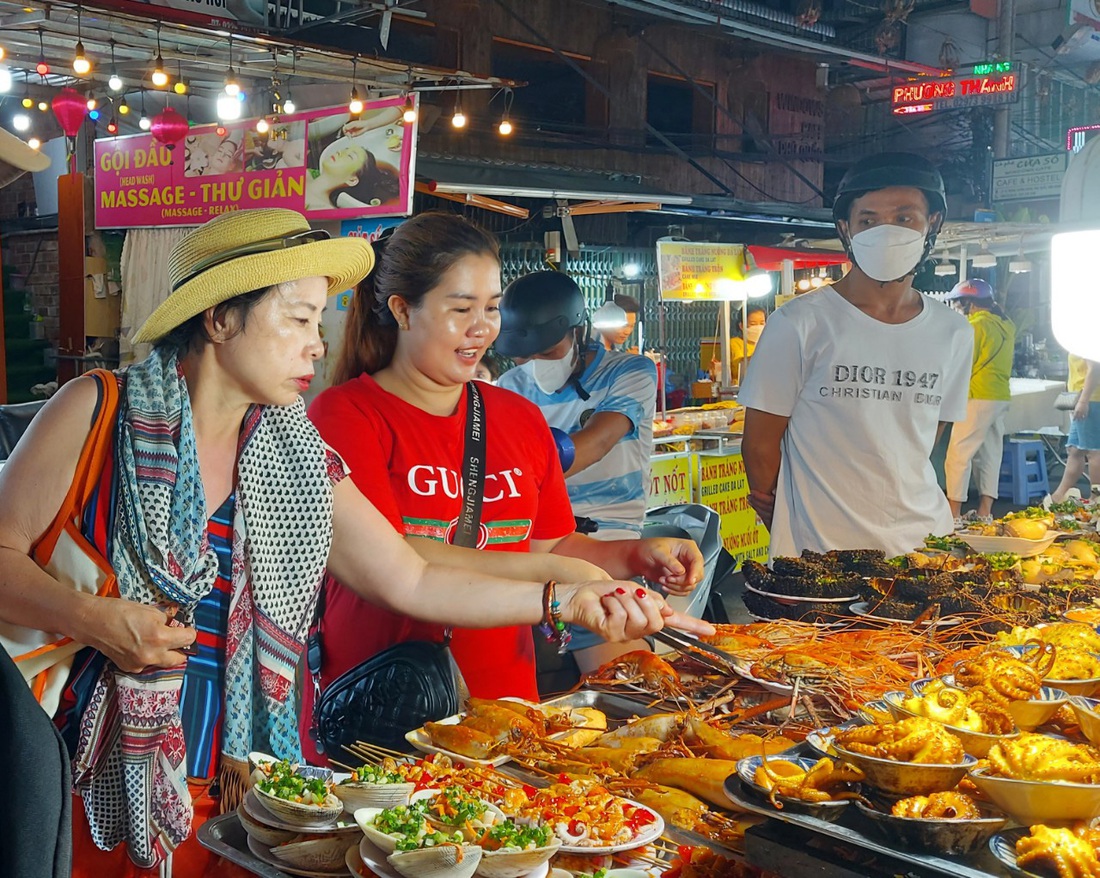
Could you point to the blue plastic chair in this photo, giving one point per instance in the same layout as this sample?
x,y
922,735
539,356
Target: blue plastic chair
x,y
1024,470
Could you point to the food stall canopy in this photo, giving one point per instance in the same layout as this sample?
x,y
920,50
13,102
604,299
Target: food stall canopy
x,y
772,258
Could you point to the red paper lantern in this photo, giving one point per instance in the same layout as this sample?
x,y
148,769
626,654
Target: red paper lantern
x,y
70,107
169,127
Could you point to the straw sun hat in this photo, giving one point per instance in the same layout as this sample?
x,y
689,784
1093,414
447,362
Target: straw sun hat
x,y
247,250
16,158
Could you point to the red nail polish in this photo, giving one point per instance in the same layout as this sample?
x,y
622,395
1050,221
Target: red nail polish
x,y
620,591
640,592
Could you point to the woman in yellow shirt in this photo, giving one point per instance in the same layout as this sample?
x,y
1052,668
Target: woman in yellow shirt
x,y
1083,443
976,442
749,328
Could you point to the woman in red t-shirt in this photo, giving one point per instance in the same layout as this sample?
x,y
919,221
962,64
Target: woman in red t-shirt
x,y
416,329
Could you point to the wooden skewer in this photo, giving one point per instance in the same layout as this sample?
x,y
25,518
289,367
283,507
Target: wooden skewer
x,y
367,745
341,765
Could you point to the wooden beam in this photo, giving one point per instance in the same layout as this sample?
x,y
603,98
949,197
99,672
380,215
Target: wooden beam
x,y
71,249
594,207
482,201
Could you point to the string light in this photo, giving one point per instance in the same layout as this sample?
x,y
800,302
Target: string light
x,y
232,87
220,131
21,121
93,115
41,68
262,125
288,104
458,120
34,143
408,113
355,104
123,107
180,87
112,126
143,123
228,108
43,106
92,102
115,82
160,77
81,65
505,126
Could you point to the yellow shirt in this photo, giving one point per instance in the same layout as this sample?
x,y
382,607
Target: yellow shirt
x,y
1078,368
994,344
710,352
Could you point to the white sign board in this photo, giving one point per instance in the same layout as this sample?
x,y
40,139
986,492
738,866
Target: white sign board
x,y
1029,178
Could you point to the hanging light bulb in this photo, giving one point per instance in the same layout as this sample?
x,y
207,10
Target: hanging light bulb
x,y
228,108
408,113
458,120
288,105
92,102
41,68
3,53
180,87
93,115
5,80
505,126
232,87
123,107
34,143
262,125
81,65
355,104
112,126
115,82
27,102
21,121
220,131
43,106
160,76
144,123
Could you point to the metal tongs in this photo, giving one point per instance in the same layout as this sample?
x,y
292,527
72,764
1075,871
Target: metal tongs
x,y
707,655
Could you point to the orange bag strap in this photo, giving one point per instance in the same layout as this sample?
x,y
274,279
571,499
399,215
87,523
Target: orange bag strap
x,y
94,454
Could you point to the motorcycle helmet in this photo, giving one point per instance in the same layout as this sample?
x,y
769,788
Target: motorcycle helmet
x,y
537,311
890,169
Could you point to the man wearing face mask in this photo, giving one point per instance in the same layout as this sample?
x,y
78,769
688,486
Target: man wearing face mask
x,y
852,384
599,405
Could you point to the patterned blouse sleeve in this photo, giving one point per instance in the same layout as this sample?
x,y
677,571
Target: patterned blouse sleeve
x,y
334,465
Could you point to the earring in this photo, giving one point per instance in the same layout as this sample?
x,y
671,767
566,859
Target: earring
x,y
403,325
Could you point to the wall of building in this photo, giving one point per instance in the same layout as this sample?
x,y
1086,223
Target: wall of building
x,y
779,90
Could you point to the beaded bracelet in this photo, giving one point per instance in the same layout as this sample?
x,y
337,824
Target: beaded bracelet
x,y
552,626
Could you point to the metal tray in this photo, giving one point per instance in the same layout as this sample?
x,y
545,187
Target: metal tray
x,y
849,830
225,836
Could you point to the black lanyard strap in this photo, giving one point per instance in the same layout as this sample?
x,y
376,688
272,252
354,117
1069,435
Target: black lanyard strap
x,y
473,470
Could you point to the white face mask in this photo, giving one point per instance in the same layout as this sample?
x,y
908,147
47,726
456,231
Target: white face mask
x,y
888,253
752,333
551,375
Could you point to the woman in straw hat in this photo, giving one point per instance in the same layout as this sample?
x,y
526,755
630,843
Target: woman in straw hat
x,y
218,513
416,329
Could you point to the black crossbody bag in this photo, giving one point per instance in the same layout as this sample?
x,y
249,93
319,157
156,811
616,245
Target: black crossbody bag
x,y
410,683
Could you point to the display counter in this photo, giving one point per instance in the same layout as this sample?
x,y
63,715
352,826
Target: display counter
x,y
1032,406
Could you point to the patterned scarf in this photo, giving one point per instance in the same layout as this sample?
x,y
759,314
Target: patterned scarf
x,y
129,765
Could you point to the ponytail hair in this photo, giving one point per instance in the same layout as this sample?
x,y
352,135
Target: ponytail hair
x,y
409,262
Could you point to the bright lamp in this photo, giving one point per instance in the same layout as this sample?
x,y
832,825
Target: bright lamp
x,y
1074,305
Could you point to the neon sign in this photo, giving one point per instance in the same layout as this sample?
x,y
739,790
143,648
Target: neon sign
x,y
998,87
993,67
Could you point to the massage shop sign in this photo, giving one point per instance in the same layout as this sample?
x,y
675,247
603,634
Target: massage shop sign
x,y
322,163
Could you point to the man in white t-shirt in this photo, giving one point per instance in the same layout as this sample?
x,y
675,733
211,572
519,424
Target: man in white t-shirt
x,y
852,384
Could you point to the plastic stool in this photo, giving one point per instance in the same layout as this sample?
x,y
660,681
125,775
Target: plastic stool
x,y
1024,470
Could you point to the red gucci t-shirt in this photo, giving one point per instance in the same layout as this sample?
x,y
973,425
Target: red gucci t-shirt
x,y
407,462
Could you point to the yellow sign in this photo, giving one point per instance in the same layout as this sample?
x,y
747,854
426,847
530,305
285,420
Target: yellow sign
x,y
724,488
691,271
669,480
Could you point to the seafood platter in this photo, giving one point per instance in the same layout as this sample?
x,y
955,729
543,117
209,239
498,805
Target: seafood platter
x,y
460,818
